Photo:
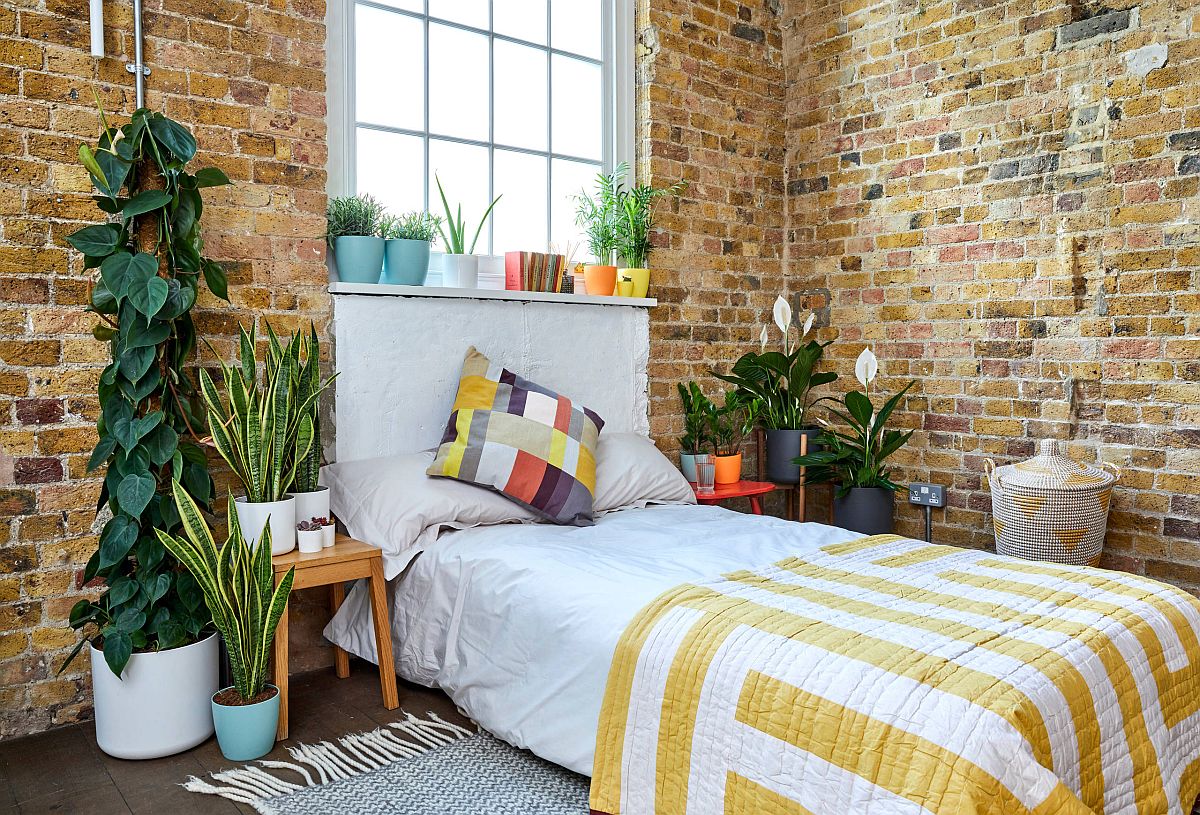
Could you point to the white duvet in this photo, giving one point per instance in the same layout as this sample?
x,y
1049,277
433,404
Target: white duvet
x,y
518,623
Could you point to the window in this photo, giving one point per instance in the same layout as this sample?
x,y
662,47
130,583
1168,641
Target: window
x,y
528,99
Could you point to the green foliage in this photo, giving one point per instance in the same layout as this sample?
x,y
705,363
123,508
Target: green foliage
x,y
264,429
729,424
307,383
635,221
455,241
598,214
150,261
238,586
696,411
855,457
781,382
354,215
411,226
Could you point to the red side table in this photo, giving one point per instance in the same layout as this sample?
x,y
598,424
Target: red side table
x,y
741,489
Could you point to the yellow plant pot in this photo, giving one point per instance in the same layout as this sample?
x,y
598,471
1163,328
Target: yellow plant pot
x,y
729,469
640,278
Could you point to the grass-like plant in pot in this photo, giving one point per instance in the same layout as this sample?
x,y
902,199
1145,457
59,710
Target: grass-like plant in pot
x,y
460,267
152,650
406,250
728,426
696,411
353,233
598,214
239,589
855,458
635,224
783,382
264,430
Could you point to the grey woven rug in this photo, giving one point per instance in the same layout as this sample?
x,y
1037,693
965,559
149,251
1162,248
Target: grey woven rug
x,y
447,771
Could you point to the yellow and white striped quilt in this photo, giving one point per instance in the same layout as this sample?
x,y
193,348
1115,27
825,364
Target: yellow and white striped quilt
x,y
887,675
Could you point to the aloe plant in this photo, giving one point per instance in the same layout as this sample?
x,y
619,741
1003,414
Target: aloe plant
x,y
455,241
264,430
239,589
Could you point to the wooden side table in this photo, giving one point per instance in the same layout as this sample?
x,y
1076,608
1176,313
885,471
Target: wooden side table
x,y
741,489
347,559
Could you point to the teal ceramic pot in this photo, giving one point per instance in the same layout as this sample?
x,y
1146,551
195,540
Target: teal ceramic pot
x,y
359,258
687,465
246,732
406,263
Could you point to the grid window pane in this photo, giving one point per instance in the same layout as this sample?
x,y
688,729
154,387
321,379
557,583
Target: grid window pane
x,y
576,90
575,26
463,171
567,180
391,166
520,217
522,19
468,12
458,83
520,113
389,45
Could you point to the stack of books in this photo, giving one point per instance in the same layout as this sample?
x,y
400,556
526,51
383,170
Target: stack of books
x,y
534,271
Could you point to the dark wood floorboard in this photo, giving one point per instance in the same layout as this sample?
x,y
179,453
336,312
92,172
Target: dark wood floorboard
x,y
64,771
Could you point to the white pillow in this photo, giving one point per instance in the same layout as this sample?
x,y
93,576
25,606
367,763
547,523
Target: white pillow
x,y
631,473
391,503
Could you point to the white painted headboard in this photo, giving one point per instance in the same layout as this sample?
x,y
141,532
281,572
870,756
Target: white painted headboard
x,y
399,357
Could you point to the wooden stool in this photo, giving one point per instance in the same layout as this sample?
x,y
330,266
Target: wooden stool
x,y
348,559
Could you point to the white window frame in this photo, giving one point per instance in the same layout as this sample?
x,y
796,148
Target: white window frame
x,y
341,122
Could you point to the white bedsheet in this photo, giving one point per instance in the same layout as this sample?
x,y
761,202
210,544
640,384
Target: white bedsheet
x,y
518,624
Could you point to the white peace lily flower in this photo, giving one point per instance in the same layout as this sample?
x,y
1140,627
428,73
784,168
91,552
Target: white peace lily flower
x,y
808,324
783,314
762,340
866,367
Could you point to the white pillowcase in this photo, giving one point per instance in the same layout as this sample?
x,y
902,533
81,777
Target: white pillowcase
x,y
632,473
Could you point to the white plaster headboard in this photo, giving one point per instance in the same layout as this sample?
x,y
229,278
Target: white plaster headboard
x,y
399,359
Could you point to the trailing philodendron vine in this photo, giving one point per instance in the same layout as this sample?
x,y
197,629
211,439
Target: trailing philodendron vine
x,y
150,260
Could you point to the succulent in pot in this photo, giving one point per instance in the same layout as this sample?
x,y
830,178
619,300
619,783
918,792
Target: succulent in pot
x,y
460,267
246,606
353,233
635,224
696,411
407,239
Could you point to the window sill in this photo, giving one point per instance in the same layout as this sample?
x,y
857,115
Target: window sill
x,y
390,290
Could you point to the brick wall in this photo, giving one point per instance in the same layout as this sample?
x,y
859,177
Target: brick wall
x,y
1000,198
249,79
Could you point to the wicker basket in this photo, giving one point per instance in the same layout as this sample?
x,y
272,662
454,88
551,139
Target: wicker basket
x,y
1051,507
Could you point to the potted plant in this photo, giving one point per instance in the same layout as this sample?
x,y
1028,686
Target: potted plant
x,y
696,410
855,458
598,216
406,247
353,234
728,426
153,653
635,222
783,383
312,498
309,537
263,430
460,267
246,605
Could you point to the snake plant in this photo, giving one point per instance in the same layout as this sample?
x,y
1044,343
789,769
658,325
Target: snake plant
x,y
239,588
307,383
264,430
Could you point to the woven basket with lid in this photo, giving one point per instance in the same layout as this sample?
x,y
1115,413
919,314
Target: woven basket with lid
x,y
1051,507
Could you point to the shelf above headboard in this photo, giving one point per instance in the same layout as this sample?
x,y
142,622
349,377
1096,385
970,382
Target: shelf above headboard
x,y
388,289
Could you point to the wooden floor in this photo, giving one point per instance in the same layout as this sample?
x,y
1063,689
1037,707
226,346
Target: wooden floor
x,y
64,771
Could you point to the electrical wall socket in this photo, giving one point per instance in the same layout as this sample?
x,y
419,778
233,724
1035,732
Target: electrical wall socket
x,y
927,495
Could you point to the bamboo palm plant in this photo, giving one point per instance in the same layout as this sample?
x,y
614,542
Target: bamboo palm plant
x,y
239,589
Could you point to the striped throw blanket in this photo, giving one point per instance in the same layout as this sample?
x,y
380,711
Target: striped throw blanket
x,y
887,675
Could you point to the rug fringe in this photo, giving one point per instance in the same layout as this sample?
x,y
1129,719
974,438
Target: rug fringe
x,y
351,756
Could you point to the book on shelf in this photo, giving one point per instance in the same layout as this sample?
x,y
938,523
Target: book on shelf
x,y
534,271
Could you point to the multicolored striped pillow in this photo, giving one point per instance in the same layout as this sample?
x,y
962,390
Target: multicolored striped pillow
x,y
522,440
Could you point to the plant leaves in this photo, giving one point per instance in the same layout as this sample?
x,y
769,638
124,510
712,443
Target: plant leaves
x,y
121,590
214,277
118,537
211,177
134,493
161,444
144,202
121,269
136,361
150,296
117,648
174,136
97,240
104,448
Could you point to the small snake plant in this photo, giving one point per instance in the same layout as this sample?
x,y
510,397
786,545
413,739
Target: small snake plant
x,y
239,588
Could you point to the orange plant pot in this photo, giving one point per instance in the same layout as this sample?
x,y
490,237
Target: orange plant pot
x,y
600,280
729,469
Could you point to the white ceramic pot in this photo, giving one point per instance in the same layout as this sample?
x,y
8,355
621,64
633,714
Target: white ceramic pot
x,y
460,271
311,505
282,515
310,540
160,706
328,535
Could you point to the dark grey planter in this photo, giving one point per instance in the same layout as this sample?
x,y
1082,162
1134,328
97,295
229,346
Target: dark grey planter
x,y
867,510
784,445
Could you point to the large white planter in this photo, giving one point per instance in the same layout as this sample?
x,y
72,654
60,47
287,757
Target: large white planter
x,y
160,706
460,271
282,515
311,505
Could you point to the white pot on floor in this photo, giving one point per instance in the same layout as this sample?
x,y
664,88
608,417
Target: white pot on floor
x,y
160,705
460,271
311,505
252,517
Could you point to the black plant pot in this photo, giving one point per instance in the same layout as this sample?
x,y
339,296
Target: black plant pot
x,y
867,510
784,445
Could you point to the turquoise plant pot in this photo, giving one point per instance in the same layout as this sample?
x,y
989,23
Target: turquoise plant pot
x,y
687,465
246,732
359,258
406,262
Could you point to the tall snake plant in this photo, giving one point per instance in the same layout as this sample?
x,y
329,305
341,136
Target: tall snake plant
x,y
307,383
264,430
239,589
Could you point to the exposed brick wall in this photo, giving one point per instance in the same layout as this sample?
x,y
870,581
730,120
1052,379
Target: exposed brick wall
x,y
248,78
1001,199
